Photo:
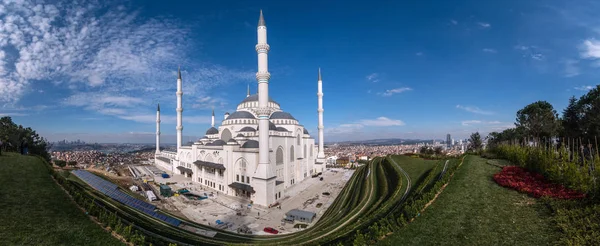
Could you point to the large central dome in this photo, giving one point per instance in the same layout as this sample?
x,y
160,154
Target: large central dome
x,y
254,98
251,102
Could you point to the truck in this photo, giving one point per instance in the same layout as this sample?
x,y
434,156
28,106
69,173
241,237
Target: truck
x,y
150,195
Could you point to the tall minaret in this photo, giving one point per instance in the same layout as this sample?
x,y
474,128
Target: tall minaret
x,y
264,175
158,129
179,109
248,91
321,154
212,122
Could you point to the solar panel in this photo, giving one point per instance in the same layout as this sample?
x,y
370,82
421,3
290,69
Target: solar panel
x,y
112,191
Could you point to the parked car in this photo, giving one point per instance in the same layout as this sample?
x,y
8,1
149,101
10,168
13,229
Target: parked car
x,y
270,230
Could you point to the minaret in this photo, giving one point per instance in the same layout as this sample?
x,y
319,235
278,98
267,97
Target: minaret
x,y
179,109
321,153
158,129
264,177
248,91
212,123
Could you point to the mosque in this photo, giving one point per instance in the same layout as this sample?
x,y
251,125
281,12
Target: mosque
x,y
258,152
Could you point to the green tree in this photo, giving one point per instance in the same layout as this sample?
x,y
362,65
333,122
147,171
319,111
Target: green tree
x,y
571,119
13,135
359,239
438,150
72,163
589,105
538,120
60,163
475,142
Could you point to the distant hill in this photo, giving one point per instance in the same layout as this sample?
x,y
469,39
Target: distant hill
x,y
387,141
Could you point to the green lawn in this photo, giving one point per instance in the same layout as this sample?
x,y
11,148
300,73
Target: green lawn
x,y
36,211
415,167
474,210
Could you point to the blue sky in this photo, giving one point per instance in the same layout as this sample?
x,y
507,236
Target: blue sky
x,y
95,70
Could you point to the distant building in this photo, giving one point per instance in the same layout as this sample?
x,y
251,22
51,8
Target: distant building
x,y
448,140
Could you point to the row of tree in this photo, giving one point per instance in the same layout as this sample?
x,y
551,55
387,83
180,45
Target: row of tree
x,y
580,121
14,136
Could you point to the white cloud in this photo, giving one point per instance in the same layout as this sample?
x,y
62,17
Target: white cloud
x,y
484,24
487,50
470,122
390,92
419,53
12,114
208,102
584,88
374,77
357,126
475,110
571,68
381,121
89,46
590,49
532,52
454,22
487,125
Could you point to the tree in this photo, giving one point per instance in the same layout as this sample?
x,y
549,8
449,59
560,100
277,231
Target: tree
x,y
438,150
60,163
589,121
12,135
475,143
571,119
72,163
539,120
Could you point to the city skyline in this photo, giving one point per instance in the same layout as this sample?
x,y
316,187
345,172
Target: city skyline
x,y
119,60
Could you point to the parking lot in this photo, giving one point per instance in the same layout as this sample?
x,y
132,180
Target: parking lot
x,y
233,213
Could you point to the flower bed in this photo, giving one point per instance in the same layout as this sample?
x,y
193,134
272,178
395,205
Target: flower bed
x,y
533,184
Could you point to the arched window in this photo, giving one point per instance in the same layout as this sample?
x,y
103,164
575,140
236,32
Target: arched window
x,y
299,139
311,150
279,156
304,154
292,153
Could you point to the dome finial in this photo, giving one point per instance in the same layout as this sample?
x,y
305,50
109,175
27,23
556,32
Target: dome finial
x,y
261,19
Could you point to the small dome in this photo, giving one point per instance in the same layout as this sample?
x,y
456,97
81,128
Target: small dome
x,y
239,135
305,131
205,137
212,131
232,141
250,144
247,129
217,142
241,115
226,113
281,129
272,127
282,115
199,143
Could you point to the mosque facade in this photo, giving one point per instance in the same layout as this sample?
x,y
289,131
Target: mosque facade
x,y
257,152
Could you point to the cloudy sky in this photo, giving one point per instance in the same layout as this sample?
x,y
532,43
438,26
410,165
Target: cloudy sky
x,y
95,70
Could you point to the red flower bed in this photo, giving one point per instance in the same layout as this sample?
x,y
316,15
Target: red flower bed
x,y
533,184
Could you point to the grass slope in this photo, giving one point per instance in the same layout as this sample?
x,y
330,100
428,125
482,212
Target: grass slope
x,y
415,167
36,211
474,210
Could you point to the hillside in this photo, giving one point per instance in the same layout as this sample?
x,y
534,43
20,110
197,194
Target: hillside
x,y
35,211
474,210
